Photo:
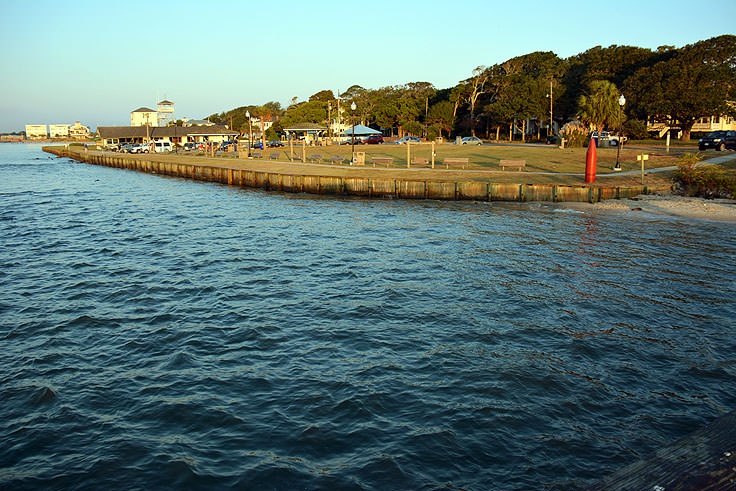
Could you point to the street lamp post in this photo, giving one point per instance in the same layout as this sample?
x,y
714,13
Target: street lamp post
x,y
551,128
352,108
621,102
247,115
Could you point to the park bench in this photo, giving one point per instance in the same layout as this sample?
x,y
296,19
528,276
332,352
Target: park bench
x,y
257,155
317,157
274,156
512,163
456,161
335,159
420,161
382,160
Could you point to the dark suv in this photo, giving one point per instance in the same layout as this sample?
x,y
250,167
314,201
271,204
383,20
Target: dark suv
x,y
717,140
730,140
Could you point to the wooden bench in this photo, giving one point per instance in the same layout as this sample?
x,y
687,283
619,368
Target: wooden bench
x,y
382,160
317,157
274,156
335,159
512,163
456,161
420,161
257,155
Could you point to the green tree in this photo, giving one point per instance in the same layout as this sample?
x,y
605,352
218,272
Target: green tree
x,y
614,63
599,106
517,89
441,115
692,82
322,95
413,128
305,112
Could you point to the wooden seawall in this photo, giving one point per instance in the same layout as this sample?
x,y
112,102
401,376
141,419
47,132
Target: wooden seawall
x,y
361,186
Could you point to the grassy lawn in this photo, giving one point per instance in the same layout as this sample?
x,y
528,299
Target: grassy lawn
x,y
538,158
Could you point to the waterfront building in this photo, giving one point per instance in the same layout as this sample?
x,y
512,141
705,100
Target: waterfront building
x,y
36,131
59,131
79,131
144,116
703,125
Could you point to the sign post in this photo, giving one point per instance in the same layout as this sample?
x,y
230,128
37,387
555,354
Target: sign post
x,y
642,157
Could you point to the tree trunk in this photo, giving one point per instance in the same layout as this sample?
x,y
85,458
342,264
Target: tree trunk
x,y
472,119
686,129
498,128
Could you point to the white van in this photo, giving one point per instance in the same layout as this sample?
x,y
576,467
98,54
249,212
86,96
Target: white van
x,y
160,147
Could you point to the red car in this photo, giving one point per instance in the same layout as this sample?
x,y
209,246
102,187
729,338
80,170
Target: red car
x,y
373,140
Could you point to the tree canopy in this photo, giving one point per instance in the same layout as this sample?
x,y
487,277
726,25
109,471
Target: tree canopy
x,y
672,85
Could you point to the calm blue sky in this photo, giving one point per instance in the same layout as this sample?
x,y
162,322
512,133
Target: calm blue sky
x,y
95,63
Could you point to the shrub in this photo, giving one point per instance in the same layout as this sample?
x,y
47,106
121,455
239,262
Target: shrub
x,y
433,132
574,134
707,181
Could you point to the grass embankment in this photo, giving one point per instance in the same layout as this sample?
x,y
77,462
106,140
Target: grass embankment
x,y
544,164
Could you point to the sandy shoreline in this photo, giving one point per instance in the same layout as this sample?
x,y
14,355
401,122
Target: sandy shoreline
x,y
669,205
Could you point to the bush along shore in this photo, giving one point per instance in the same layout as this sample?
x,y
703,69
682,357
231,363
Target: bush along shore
x,y
705,181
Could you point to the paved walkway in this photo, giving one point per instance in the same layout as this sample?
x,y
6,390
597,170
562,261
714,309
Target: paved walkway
x,y
713,161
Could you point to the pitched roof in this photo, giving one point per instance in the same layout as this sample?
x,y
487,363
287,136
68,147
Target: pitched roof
x,y
198,122
166,102
305,127
143,110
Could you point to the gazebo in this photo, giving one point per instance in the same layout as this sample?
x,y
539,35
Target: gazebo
x,y
306,129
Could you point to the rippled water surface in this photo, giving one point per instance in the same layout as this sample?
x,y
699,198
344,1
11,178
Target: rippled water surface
x,y
159,332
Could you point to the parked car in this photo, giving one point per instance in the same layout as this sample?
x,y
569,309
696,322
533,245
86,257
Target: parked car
x,y
408,139
553,140
139,148
274,144
608,138
471,140
715,139
227,143
189,146
113,147
356,141
373,140
160,147
730,140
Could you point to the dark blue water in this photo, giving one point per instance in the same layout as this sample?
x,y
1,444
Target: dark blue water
x,y
157,333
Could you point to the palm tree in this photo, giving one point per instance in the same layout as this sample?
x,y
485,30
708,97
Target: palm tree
x,y
599,107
